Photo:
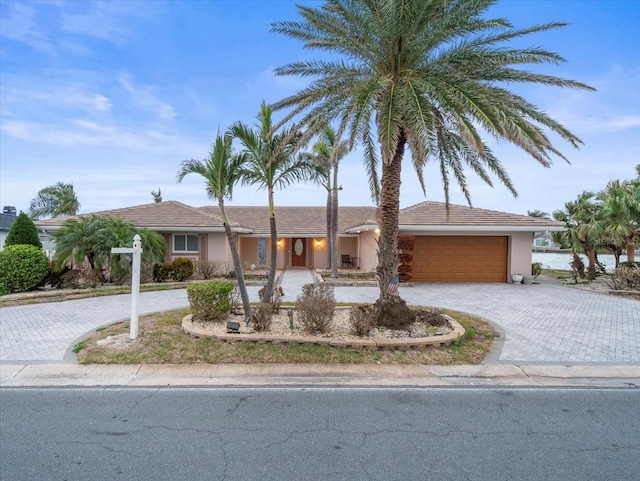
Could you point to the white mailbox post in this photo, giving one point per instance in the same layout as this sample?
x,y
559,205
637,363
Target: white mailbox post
x,y
136,251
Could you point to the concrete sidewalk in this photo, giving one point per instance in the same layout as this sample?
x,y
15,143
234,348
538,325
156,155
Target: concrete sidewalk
x,y
317,375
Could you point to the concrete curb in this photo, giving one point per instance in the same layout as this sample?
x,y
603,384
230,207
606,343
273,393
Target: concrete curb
x,y
39,375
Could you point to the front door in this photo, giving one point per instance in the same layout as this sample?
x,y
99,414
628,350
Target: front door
x,y
299,252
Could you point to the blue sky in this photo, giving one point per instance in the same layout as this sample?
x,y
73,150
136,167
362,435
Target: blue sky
x,y
113,95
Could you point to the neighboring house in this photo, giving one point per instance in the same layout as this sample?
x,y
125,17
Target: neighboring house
x,y
543,241
7,217
461,244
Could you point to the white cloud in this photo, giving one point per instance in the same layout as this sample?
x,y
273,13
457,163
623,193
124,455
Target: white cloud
x,y
20,26
80,132
144,97
107,20
67,96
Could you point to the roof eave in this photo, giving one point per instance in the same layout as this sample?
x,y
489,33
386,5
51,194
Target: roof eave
x,y
480,228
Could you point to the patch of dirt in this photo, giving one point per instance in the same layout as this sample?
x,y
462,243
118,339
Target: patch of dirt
x,y
340,327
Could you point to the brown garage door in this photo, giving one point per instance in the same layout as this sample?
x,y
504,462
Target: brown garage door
x,y
460,259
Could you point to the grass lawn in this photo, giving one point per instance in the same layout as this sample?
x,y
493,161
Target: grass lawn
x,y
161,340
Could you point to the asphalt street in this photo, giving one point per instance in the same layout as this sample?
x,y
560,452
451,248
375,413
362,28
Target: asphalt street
x,y
269,433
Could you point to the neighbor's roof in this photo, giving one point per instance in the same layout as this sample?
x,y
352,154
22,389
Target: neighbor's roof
x,y
6,220
171,215
294,220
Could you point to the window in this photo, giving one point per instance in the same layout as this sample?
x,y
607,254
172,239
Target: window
x,y
185,243
262,251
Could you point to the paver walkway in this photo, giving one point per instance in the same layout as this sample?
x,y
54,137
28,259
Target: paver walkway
x,y
542,323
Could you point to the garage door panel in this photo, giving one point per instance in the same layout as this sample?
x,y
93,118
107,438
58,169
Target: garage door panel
x,y
460,259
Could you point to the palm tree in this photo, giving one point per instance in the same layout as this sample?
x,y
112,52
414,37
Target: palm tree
x,y
582,228
427,74
54,201
80,240
620,217
221,172
120,233
538,214
328,151
270,164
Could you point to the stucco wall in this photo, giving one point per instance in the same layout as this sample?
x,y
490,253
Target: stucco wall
x,y
218,249
249,250
319,259
368,251
520,254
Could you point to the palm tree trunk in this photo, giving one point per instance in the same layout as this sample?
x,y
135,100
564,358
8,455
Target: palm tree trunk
x,y
334,233
274,251
388,213
391,309
631,248
591,255
246,305
329,236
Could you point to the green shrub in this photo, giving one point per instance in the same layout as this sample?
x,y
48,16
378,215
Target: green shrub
x,y
4,290
315,308
210,301
23,232
182,269
161,272
22,267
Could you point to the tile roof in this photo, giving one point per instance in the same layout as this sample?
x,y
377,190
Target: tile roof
x,y
435,214
311,221
294,220
161,214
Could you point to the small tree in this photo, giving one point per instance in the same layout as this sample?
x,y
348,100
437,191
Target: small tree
x,y
23,232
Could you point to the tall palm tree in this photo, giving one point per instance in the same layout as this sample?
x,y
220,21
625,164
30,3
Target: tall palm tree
x,y
429,75
271,163
221,171
328,151
54,201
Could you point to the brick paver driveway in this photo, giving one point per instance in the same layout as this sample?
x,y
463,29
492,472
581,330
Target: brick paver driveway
x,y
542,323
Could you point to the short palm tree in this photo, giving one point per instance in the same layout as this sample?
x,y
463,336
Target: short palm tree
x,y
54,201
430,75
620,216
82,239
271,164
582,228
221,171
120,233
326,154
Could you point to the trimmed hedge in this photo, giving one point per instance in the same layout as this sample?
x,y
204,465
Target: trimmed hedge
x,y
23,232
210,301
23,267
